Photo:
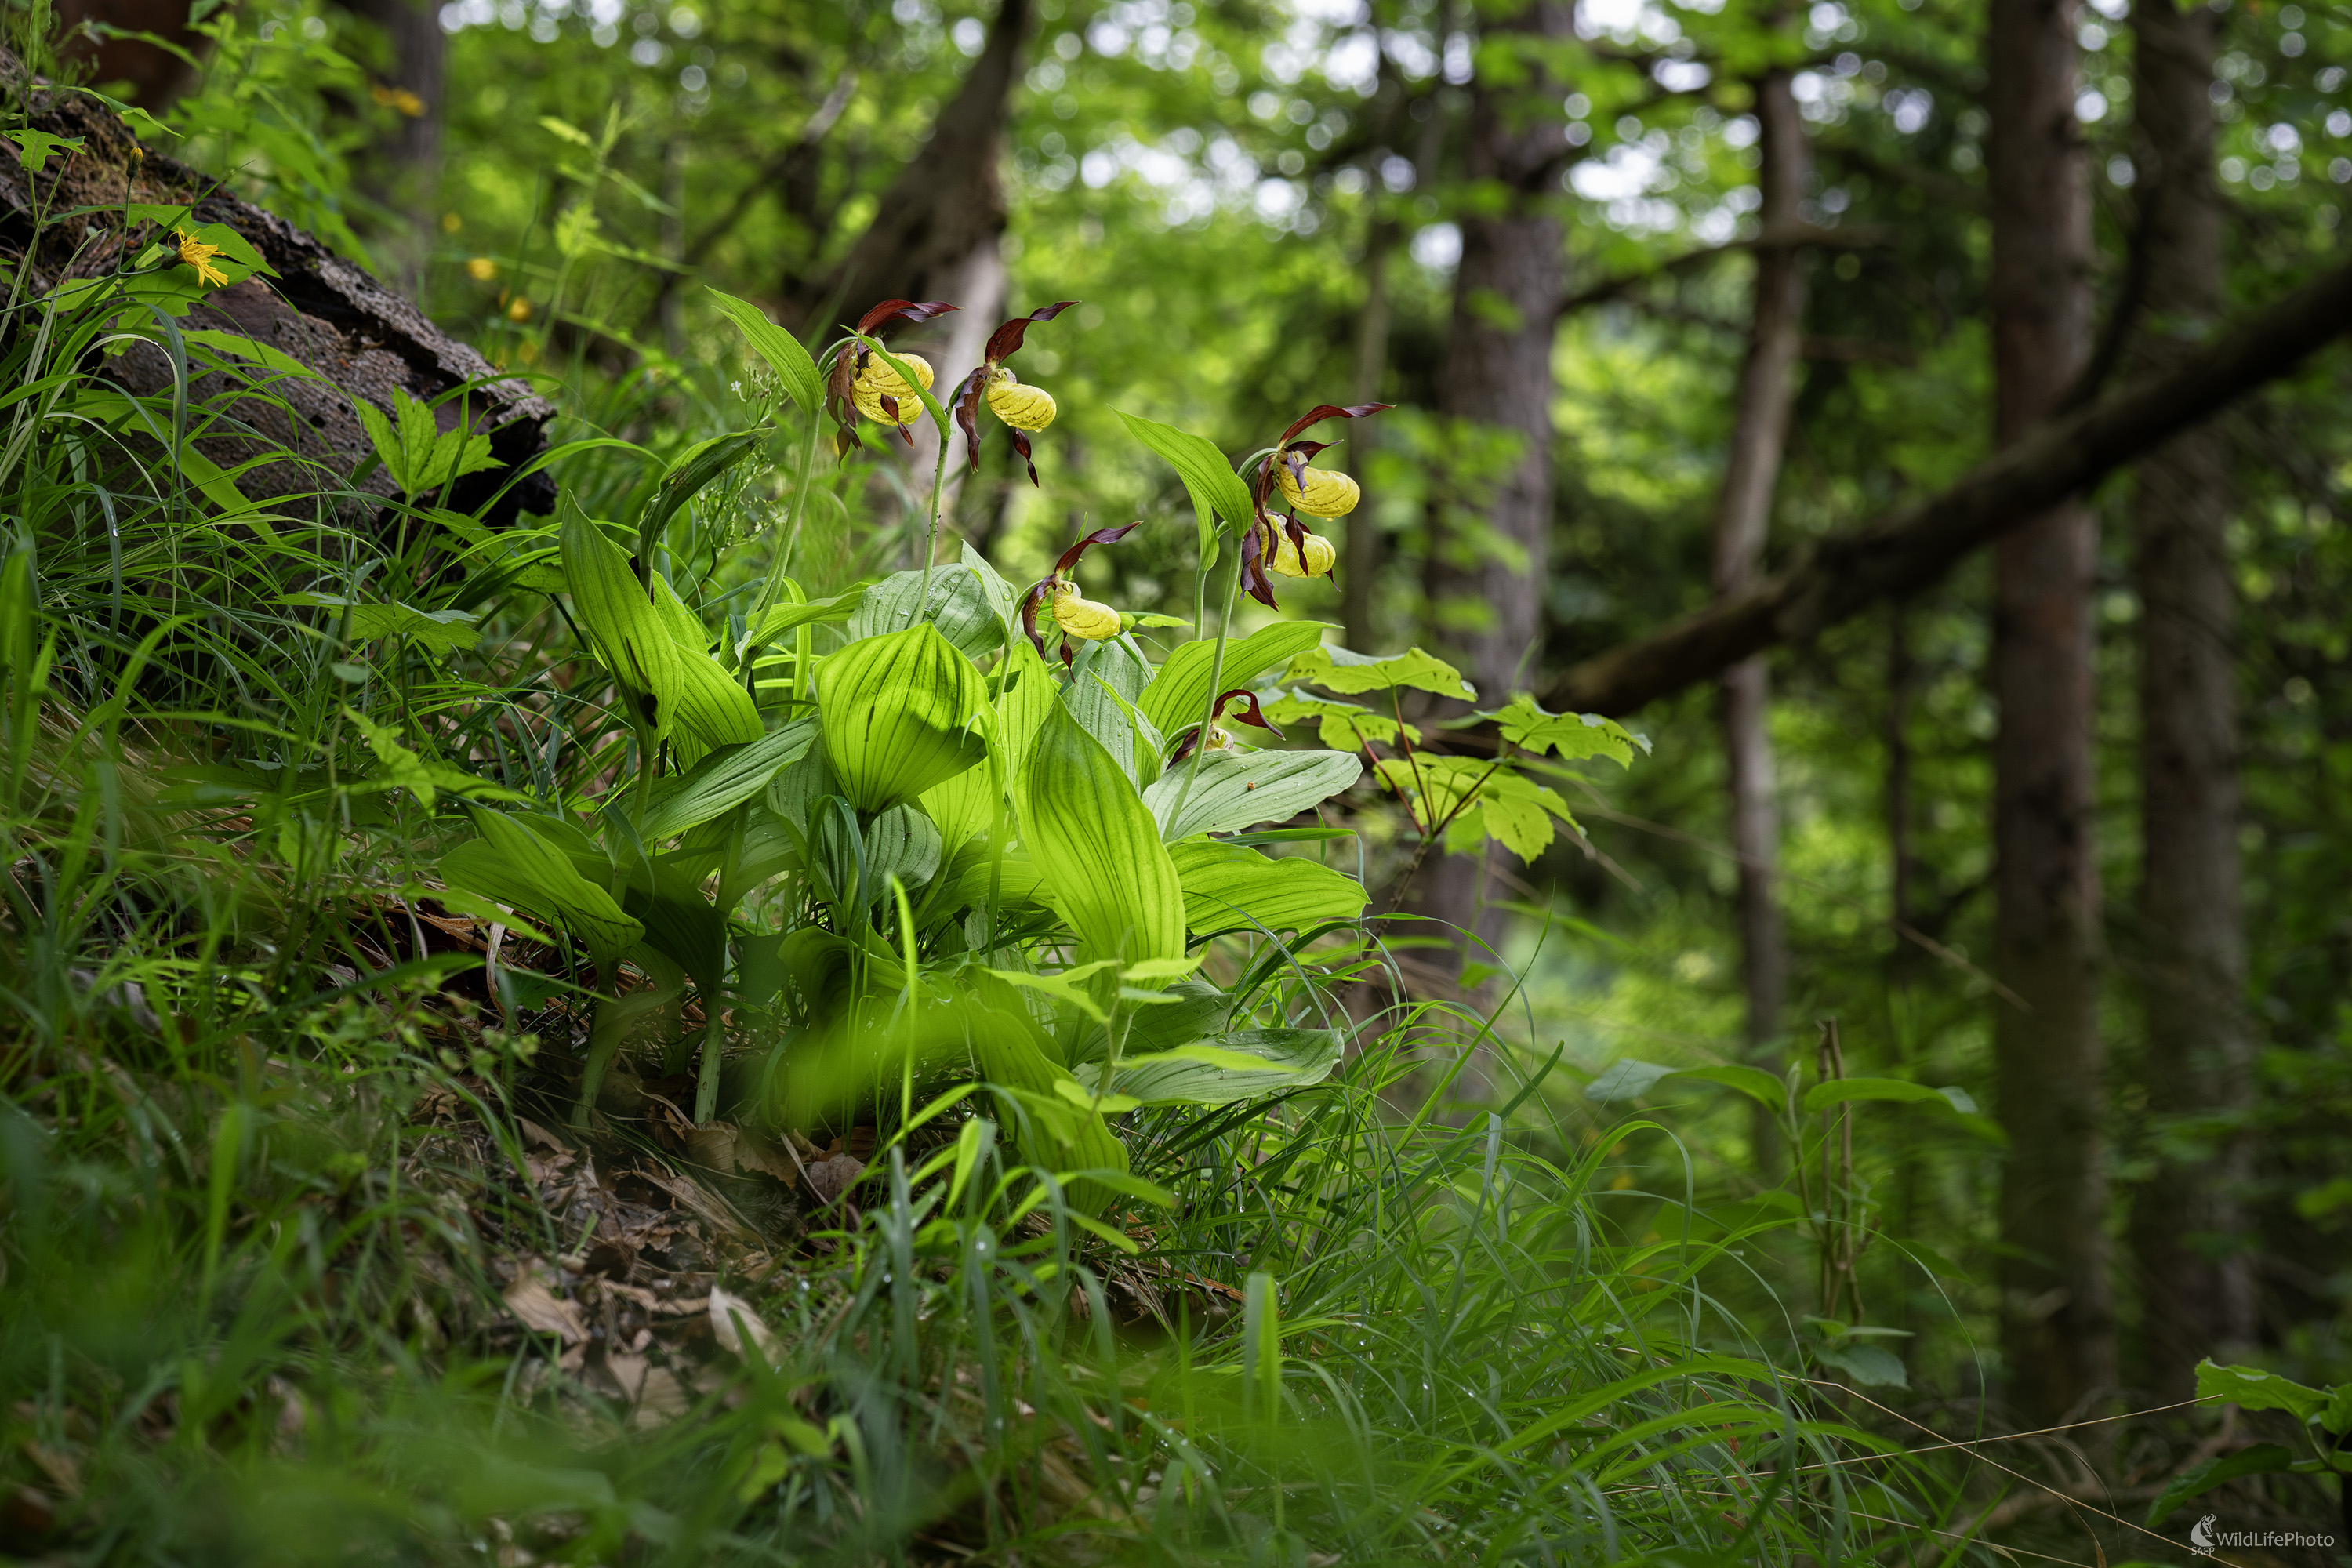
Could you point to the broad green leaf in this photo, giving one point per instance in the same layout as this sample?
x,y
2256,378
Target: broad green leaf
x,y
682,925
1053,1132
1181,690
2262,1459
631,639
1096,843
1514,811
784,353
1568,736
1225,1068
902,843
723,780
1872,1366
1028,696
1108,1104
1108,717
688,474
959,607
782,618
1841,1090
514,866
1001,599
1350,674
1342,726
1239,789
1227,888
35,148
712,709
1757,1085
415,450
2252,1388
1208,479
964,806
1072,987
901,714
1626,1079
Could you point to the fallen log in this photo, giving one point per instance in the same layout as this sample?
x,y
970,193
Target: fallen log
x,y
1836,578
321,310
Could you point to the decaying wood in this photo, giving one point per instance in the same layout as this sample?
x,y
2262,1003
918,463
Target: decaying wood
x,y
322,310
1840,576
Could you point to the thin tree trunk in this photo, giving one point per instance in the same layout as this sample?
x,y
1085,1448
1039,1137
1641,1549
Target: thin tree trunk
x,y
2057,1327
1497,371
1361,564
2197,1290
1743,517
407,167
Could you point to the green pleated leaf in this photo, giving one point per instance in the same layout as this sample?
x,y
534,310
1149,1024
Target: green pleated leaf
x,y
1052,1131
1208,479
901,714
712,708
723,780
1099,849
965,806
782,619
1029,697
1238,789
960,607
514,866
1176,696
681,924
631,639
1223,1068
1227,888
783,350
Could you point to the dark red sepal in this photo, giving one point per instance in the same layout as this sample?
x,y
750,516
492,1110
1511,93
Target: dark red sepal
x,y
1099,536
901,309
1005,342
967,413
1323,411
1021,445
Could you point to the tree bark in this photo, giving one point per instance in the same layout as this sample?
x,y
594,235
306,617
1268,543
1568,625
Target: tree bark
x,y
1743,517
1498,371
2057,1319
1360,563
1840,576
2196,1289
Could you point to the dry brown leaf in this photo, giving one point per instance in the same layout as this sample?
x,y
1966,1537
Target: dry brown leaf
x,y
716,1146
829,1179
726,1311
536,1307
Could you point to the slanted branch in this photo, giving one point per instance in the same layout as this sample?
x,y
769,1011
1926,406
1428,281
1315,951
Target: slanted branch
x,y
1836,578
323,311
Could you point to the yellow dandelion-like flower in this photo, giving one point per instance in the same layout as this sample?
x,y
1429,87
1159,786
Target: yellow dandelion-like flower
x,y
1021,406
1327,493
877,381
1319,554
481,269
398,97
1081,616
519,311
195,253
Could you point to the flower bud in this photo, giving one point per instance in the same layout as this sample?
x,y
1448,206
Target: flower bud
x,y
1320,554
1326,493
1022,408
877,381
1081,616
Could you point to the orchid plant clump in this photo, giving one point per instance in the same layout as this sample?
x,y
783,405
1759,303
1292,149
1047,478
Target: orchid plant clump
x,y
931,861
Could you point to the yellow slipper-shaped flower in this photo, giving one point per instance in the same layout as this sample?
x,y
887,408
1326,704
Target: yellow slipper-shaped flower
x,y
1320,554
1023,407
877,381
1080,616
1326,493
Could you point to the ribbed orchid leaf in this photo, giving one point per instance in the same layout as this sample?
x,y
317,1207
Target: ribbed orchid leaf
x,y
631,639
1241,789
1229,888
1099,849
1181,690
901,714
783,350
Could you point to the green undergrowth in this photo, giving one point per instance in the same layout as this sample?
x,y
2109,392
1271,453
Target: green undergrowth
x,y
438,953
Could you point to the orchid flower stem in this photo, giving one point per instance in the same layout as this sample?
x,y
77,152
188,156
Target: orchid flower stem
x,y
1216,683
783,561
931,541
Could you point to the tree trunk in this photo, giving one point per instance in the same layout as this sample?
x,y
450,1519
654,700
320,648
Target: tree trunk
x,y
1498,371
2057,1330
1743,516
2196,1290
406,168
1361,564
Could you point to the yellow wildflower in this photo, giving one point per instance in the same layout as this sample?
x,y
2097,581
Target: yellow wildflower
x,y
1022,408
195,253
877,381
519,311
481,269
1327,493
1081,616
1320,554
398,97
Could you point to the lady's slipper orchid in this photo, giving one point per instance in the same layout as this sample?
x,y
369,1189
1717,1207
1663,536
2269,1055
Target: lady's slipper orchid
x,y
1077,615
1282,545
1318,492
858,381
1021,407
1219,737
883,395
1307,555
